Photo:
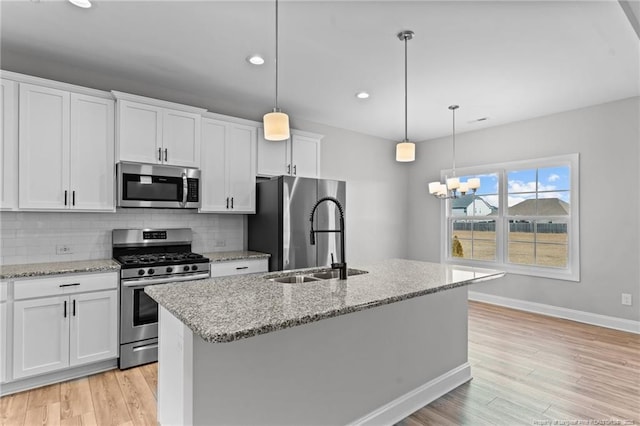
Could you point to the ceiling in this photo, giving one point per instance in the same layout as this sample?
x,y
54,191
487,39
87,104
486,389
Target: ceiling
x,y
504,60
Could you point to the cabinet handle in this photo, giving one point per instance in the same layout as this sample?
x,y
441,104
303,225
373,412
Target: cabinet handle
x,y
73,198
231,202
242,267
74,307
65,197
159,154
295,171
166,154
288,169
65,308
227,202
69,285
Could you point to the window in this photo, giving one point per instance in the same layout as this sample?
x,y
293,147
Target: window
x,y
523,218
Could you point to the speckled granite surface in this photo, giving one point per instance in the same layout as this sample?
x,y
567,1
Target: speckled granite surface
x,y
223,256
8,272
232,308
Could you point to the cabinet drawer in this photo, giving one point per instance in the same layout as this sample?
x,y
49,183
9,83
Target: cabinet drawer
x,y
239,267
64,284
4,288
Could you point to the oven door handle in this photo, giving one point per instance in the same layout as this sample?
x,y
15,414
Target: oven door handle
x,y
142,282
185,189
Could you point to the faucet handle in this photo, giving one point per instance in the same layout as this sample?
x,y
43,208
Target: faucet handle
x,y
332,261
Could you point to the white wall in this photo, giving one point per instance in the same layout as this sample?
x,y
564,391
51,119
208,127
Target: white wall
x,y
29,237
607,137
376,191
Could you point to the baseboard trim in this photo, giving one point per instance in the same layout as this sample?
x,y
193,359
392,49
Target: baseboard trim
x,y
412,401
57,377
559,312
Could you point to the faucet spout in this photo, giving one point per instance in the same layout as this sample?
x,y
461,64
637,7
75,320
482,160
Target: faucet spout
x,y
342,265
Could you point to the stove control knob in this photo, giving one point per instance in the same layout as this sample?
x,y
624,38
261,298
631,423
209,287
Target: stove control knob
x,y
194,268
169,269
151,271
141,272
186,268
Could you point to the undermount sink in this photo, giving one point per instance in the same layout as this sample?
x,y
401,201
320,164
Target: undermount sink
x,y
295,279
327,274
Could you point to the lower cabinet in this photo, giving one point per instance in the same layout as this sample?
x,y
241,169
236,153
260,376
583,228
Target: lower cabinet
x,y
3,332
239,267
66,330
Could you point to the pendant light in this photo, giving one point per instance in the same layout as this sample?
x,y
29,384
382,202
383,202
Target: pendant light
x,y
405,150
452,185
276,123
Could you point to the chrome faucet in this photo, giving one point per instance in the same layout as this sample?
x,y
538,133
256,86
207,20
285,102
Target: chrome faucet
x,y
342,266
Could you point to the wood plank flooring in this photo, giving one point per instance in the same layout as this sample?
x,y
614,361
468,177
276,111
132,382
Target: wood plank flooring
x,y
528,369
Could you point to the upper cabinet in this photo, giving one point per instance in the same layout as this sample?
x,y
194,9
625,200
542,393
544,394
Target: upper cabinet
x,y
228,167
9,144
66,150
157,132
297,156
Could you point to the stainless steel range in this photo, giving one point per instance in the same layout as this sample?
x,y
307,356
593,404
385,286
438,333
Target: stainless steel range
x,y
148,257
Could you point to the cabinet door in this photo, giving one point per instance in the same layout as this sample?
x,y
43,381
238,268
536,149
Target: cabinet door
x,y
241,175
3,342
273,156
40,336
93,330
139,132
305,156
43,148
214,180
181,138
9,144
92,153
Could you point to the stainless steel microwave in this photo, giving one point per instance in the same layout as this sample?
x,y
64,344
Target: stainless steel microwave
x,y
159,186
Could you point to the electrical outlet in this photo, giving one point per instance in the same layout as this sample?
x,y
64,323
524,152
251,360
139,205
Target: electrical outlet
x,y
626,299
64,249
220,243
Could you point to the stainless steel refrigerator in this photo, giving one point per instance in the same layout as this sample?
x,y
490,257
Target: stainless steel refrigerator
x,y
282,224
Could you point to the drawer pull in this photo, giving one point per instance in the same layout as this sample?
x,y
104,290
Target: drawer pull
x,y
74,307
69,285
65,308
242,267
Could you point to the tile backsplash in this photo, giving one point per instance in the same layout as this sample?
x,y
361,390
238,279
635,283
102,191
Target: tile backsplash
x,y
32,237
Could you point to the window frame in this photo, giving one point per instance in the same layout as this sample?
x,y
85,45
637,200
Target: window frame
x,y
572,270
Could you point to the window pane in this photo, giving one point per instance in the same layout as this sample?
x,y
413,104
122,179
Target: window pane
x,y
461,247
521,181
521,231
551,232
554,203
488,183
522,253
484,230
484,249
554,178
522,205
552,255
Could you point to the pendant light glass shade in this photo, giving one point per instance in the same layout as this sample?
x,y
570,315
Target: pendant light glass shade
x,y
276,123
405,152
276,126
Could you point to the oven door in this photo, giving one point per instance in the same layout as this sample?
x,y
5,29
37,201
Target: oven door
x,y
148,185
138,314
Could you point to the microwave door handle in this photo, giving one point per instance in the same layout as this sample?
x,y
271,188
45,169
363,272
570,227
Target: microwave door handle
x,y
185,189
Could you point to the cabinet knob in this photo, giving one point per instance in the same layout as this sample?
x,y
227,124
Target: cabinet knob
x,y
288,169
295,171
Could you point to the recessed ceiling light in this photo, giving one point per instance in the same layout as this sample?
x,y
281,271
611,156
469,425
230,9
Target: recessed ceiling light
x,y
85,4
255,60
362,95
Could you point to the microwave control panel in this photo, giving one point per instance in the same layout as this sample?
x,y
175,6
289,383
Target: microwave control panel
x,y
194,190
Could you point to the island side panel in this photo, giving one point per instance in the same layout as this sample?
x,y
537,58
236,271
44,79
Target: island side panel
x,y
334,371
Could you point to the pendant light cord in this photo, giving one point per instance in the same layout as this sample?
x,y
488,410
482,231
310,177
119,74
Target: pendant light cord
x,y
453,109
405,89
276,107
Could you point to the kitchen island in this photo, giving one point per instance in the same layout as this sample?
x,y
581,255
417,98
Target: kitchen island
x,y
367,350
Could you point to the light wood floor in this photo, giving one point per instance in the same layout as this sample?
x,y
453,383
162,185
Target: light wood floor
x,y
528,369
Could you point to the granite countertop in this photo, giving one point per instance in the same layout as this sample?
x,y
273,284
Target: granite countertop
x,y
226,309
224,256
8,272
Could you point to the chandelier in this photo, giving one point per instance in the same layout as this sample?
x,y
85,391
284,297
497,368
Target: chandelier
x,y
452,185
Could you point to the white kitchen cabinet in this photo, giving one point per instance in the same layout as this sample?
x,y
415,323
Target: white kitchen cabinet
x,y
228,167
66,146
9,144
297,156
4,349
157,132
68,327
239,267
